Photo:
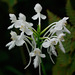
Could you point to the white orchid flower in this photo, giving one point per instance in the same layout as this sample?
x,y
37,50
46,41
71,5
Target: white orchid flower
x,y
24,26
50,43
25,29
59,26
22,18
60,38
37,53
14,21
15,40
21,23
61,23
18,23
38,9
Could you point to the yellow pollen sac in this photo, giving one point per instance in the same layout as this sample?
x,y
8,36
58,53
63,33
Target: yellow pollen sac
x,y
62,38
54,42
37,52
21,27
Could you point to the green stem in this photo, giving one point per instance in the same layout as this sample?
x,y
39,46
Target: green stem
x,y
39,44
38,36
43,68
44,30
47,28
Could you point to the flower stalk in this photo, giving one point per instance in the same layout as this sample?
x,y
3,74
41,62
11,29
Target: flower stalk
x,y
43,68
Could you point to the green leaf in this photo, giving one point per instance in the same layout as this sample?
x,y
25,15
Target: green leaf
x,y
52,17
69,43
10,3
3,56
70,12
59,70
63,59
71,68
13,70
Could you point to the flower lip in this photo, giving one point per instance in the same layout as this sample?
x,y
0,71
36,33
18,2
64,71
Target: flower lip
x,y
38,8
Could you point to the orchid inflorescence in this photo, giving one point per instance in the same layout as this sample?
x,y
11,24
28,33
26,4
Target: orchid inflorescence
x,y
49,37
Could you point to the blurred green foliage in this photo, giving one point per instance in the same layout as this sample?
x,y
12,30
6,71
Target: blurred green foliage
x,y
10,3
13,62
70,12
65,63
15,71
